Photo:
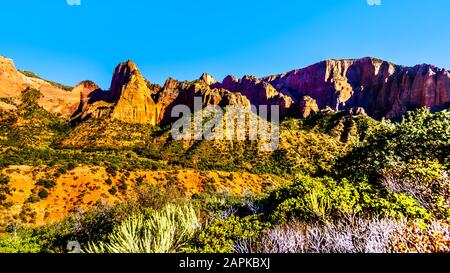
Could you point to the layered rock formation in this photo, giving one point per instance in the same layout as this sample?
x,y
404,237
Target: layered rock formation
x,y
132,96
369,85
54,99
183,93
307,106
89,92
381,88
257,91
208,79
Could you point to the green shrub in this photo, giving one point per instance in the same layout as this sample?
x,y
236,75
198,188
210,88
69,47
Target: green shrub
x,y
419,136
48,184
5,189
33,199
16,244
4,180
426,181
219,235
43,194
112,190
108,181
324,199
112,170
71,166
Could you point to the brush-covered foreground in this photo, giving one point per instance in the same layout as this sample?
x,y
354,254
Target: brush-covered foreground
x,y
338,183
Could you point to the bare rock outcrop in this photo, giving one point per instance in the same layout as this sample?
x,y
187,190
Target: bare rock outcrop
x,y
308,106
54,99
381,88
131,95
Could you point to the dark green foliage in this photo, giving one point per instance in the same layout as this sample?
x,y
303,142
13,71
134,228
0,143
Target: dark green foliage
x,y
122,185
420,135
148,153
46,183
71,166
108,181
5,189
219,235
323,199
113,160
112,170
139,180
33,199
43,193
81,227
113,190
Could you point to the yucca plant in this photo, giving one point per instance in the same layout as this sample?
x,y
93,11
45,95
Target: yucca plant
x,y
319,204
161,231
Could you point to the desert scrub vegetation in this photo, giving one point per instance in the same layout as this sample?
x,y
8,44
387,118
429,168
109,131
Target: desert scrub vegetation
x,y
5,188
355,185
159,231
220,234
113,159
31,125
325,199
351,235
18,244
421,135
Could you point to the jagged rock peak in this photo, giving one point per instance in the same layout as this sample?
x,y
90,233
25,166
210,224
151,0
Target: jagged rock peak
x,y
208,79
123,74
130,91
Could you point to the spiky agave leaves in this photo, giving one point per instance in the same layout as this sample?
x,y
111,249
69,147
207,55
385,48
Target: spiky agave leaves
x,y
163,231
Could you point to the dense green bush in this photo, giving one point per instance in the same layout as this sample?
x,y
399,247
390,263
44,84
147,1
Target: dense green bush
x,y
16,244
324,199
48,184
43,194
219,235
420,135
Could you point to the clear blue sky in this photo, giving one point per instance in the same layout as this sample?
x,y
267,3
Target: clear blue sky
x,y
182,39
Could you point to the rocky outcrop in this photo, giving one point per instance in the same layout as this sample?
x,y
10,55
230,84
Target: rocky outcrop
x,y
361,86
374,87
54,99
132,96
257,91
307,107
183,93
208,79
382,89
89,92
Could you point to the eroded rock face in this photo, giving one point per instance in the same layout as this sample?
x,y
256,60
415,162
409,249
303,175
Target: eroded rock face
x,y
382,89
308,106
89,92
183,93
373,86
54,99
258,92
130,93
208,79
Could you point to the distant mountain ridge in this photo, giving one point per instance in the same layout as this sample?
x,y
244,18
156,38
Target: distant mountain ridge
x,y
376,87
